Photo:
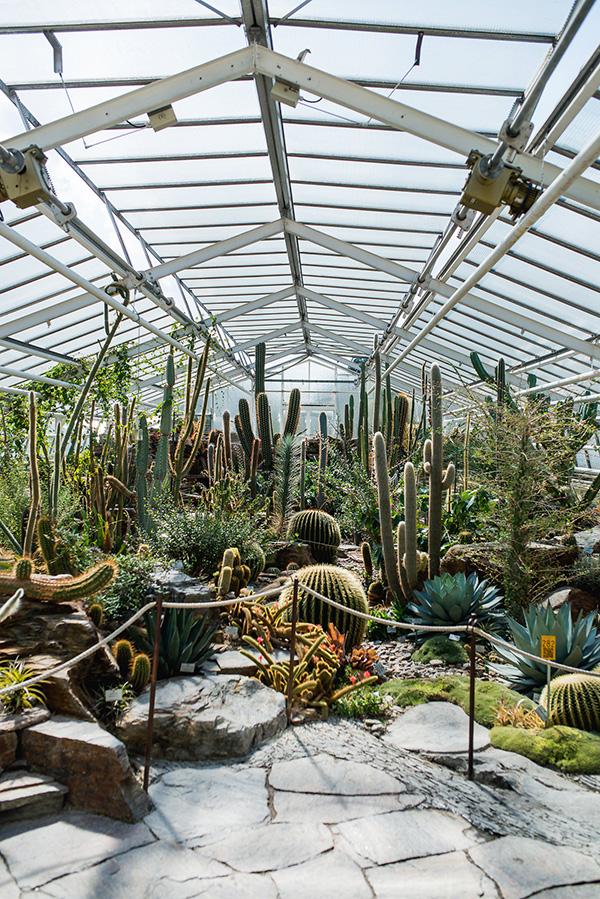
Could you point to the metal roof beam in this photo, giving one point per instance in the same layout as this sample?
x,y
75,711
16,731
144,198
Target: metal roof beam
x,y
266,338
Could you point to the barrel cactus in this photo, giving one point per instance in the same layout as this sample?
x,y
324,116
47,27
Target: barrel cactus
x,y
451,599
577,645
140,671
320,530
574,701
341,586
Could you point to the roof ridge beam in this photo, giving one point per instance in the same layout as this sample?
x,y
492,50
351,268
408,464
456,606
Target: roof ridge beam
x,y
259,303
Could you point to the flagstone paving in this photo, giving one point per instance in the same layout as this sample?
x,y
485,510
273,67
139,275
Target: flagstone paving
x,y
325,810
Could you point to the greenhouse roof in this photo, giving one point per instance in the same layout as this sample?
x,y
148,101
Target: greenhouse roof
x,y
323,227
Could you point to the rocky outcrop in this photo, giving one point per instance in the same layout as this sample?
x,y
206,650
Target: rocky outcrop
x,y
213,717
11,729
91,762
486,559
43,635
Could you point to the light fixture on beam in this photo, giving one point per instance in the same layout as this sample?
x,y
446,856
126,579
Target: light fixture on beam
x,y
162,118
285,93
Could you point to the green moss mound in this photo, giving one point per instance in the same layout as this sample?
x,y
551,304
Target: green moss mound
x,y
455,688
567,749
450,651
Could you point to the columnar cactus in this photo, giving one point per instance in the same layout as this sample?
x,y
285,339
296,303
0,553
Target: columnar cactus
x,y
385,515
302,488
34,479
440,478
265,430
367,558
180,466
377,397
363,422
293,414
260,354
322,455
320,530
227,439
243,425
161,461
139,673
340,585
123,651
142,456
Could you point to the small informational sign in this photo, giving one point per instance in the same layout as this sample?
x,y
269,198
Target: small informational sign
x,y
187,667
548,647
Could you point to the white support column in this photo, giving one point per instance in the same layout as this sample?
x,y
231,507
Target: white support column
x,y
41,379
405,118
221,248
137,102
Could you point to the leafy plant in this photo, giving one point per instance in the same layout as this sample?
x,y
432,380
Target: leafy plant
x,y
14,673
131,588
365,702
577,645
186,638
375,630
449,600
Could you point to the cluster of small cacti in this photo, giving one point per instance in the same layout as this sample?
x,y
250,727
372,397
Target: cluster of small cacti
x,y
232,575
574,701
135,667
48,588
342,587
320,530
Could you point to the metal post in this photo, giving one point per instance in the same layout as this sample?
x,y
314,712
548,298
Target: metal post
x,y
292,662
152,699
472,623
548,679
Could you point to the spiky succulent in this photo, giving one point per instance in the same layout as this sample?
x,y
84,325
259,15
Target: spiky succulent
x,y
577,645
574,701
185,639
452,599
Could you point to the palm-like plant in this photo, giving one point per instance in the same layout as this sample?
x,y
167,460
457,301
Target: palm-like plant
x,y
577,645
184,639
452,599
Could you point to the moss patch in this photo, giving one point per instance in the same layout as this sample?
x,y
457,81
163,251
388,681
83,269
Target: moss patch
x,y
565,748
450,651
455,688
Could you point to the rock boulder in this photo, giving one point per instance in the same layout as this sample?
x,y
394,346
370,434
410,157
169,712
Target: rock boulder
x,y
212,717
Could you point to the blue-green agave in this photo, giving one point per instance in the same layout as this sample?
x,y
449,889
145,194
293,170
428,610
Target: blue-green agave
x,y
451,599
577,645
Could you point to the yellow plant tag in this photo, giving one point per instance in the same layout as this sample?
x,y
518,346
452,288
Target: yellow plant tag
x,y
548,647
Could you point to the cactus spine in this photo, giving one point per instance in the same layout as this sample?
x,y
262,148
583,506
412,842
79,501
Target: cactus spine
x,y
293,414
341,586
440,479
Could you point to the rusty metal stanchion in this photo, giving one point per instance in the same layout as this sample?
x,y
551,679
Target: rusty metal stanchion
x,y
152,698
472,624
292,662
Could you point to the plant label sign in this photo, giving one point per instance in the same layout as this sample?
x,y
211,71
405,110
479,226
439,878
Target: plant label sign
x,y
113,695
548,647
187,668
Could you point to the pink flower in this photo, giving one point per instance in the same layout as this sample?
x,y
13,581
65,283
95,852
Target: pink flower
x,y
352,679
259,640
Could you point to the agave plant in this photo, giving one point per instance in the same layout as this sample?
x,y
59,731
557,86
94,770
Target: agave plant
x,y
185,640
451,599
577,644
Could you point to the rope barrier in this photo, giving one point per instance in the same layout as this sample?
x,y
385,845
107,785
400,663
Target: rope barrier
x,y
257,597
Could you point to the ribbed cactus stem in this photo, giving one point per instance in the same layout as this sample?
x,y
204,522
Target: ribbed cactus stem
x,y
350,433
142,456
34,478
440,479
245,431
385,515
367,558
139,673
387,431
302,498
410,557
293,414
57,589
260,355
254,465
322,456
227,439
466,452
377,397
265,432
123,651
161,461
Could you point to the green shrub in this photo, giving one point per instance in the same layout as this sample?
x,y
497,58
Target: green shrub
x,y
450,651
565,748
199,538
131,588
368,702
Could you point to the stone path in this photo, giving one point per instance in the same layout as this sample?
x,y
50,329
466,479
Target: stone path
x,y
324,810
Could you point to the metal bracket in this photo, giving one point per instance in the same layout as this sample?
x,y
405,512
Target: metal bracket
x,y
61,213
462,217
515,141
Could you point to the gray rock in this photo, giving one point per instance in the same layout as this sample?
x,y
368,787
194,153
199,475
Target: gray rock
x,y
195,805
446,876
435,727
325,774
239,886
217,716
8,887
24,795
558,598
36,855
156,871
197,592
583,891
91,762
233,662
522,866
270,846
333,874
398,836
333,809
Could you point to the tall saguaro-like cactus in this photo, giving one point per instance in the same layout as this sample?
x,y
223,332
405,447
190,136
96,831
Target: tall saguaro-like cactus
x,y
440,478
161,461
